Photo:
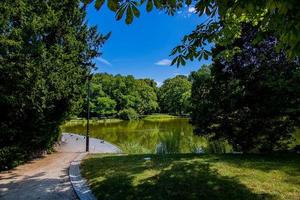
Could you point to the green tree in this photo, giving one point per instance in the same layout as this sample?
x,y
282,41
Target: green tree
x,y
126,91
105,106
174,95
252,100
46,51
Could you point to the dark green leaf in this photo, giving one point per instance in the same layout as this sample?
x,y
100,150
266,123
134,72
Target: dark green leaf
x,y
129,15
120,13
98,4
113,5
157,3
149,5
174,61
136,12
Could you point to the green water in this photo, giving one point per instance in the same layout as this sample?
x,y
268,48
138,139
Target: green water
x,y
144,136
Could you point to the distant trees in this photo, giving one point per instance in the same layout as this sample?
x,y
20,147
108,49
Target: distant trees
x,y
124,95
251,99
104,106
174,95
112,94
46,50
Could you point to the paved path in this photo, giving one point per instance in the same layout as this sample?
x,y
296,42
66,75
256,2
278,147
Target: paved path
x,y
47,177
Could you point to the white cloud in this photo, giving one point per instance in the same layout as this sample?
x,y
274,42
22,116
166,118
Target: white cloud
x,y
159,83
191,9
164,62
102,60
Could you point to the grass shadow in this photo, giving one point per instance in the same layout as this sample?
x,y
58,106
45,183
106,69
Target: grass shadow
x,y
176,179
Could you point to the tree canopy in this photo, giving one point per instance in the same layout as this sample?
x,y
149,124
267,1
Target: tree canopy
x,y
252,99
46,51
111,94
123,96
174,95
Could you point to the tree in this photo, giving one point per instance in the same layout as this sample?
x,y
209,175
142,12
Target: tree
x,y
122,92
252,99
46,51
105,106
174,95
223,24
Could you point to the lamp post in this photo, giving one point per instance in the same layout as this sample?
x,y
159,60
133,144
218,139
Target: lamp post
x,y
88,114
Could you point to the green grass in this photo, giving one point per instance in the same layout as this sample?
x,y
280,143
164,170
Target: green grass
x,y
160,117
92,121
190,176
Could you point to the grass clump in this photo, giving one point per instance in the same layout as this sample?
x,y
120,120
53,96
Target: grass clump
x,y
193,177
133,148
160,117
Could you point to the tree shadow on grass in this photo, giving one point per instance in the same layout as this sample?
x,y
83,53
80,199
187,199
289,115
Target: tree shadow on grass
x,y
179,181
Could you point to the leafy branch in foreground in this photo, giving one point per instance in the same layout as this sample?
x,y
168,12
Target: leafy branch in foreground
x,y
223,24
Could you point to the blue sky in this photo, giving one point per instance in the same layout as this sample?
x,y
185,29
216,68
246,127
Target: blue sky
x,y
142,49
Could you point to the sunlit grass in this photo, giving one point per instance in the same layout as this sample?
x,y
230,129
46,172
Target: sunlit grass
x,y
73,122
190,176
160,117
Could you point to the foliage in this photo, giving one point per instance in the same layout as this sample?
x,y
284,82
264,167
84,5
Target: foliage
x,y
223,23
252,100
45,54
111,94
190,176
105,106
128,114
174,95
10,156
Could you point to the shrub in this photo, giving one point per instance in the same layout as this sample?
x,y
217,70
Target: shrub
x,y
10,157
128,114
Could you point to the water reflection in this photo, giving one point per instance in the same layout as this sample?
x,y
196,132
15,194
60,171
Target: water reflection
x,y
173,136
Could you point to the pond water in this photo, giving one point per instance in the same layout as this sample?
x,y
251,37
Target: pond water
x,y
143,136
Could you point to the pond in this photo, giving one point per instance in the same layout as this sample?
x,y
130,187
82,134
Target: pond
x,y
146,136
143,136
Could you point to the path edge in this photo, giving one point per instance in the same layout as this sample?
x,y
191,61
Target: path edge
x,y
79,184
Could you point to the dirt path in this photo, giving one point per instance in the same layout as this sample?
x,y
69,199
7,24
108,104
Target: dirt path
x,y
47,177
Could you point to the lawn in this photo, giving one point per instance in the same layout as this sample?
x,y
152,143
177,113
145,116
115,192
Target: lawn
x,y
190,176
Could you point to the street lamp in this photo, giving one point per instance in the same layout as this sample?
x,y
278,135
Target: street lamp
x,y
89,77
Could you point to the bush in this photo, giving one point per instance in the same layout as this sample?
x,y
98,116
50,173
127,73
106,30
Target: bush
x,y
10,157
128,114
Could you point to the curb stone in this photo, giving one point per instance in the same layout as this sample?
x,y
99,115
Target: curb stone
x,y
79,184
